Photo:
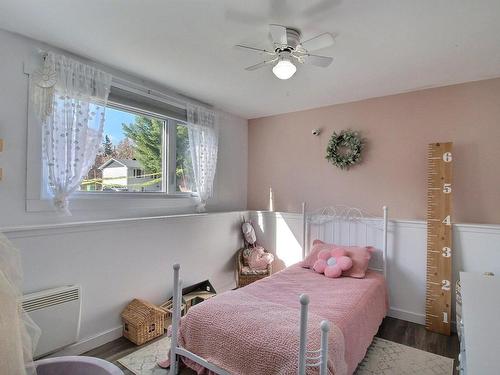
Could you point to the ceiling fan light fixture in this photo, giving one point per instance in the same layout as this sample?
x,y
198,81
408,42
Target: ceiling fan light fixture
x,y
289,50
284,69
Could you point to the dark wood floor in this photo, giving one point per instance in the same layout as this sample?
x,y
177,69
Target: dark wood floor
x,y
417,336
396,330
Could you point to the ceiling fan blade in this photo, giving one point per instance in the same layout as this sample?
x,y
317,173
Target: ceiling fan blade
x,y
322,61
261,64
318,42
277,34
254,49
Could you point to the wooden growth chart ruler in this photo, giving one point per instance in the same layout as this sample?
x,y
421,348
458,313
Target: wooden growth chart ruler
x,y
439,248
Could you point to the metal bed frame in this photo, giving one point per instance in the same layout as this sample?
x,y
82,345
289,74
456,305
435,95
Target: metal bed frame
x,y
358,223
307,358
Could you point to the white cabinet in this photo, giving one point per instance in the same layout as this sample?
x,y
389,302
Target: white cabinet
x,y
480,339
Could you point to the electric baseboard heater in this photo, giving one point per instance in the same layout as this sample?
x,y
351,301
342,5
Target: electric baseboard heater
x,y
57,312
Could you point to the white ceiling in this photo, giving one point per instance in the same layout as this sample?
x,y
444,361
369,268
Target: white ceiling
x,y
383,47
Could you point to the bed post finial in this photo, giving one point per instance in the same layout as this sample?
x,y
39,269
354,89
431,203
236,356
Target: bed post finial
x,y
325,326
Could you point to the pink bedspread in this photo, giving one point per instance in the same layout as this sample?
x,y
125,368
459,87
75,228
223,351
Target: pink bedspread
x,y
255,329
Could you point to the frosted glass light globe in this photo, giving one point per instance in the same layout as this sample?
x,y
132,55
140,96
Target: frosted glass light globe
x,y
284,69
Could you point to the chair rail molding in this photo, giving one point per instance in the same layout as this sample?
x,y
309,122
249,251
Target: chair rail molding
x,y
100,225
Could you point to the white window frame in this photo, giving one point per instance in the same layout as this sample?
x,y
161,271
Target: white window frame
x,y
169,161
37,196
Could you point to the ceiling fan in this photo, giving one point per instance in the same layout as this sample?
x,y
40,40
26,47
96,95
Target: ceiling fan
x,y
289,49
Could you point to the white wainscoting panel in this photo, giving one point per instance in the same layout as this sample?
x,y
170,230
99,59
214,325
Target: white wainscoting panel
x,y
476,248
116,261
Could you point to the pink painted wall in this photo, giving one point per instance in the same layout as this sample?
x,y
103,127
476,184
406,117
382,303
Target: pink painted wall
x,y
285,156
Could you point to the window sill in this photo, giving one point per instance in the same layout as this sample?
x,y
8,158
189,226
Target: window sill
x,y
119,201
130,195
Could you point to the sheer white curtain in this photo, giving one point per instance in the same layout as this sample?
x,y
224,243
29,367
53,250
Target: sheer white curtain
x,y
18,333
203,144
70,99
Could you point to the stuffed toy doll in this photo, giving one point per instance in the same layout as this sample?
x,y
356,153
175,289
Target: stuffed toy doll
x,y
254,256
259,259
248,233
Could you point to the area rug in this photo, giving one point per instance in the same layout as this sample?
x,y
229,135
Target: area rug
x,y
389,358
143,361
382,358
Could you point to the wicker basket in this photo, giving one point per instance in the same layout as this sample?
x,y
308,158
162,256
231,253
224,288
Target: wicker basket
x,y
142,321
248,278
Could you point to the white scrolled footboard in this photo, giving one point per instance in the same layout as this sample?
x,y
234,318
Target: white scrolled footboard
x,y
315,357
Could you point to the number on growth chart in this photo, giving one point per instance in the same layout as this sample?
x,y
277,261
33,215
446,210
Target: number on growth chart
x,y
445,317
447,157
446,252
447,188
447,220
445,285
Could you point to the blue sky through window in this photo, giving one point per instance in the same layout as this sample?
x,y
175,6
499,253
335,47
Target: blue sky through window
x,y
113,124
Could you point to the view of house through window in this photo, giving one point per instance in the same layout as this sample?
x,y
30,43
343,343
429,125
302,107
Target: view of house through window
x,y
130,158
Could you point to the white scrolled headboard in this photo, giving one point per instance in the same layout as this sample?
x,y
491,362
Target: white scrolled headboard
x,y
348,226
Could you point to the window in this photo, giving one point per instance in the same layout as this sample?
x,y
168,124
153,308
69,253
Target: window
x,y
143,150
110,187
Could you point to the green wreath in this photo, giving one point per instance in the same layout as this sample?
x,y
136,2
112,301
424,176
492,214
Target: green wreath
x,y
344,149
